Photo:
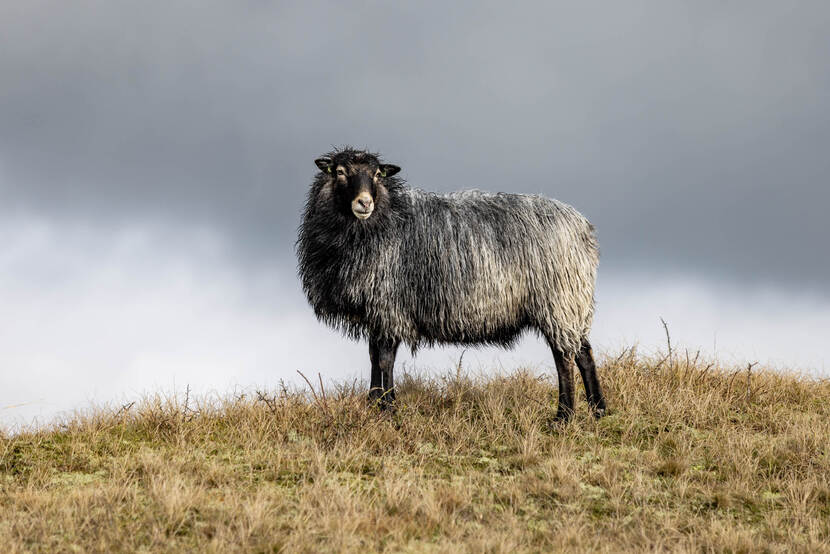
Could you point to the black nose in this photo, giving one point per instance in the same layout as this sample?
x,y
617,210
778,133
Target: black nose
x,y
364,203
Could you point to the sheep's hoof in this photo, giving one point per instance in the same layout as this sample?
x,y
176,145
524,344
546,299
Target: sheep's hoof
x,y
560,420
385,400
600,412
563,414
375,396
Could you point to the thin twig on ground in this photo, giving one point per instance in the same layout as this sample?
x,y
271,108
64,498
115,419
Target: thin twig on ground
x,y
668,337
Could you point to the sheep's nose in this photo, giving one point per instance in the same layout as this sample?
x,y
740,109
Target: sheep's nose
x,y
363,206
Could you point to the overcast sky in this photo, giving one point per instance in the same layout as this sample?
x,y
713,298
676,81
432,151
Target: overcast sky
x,y
162,152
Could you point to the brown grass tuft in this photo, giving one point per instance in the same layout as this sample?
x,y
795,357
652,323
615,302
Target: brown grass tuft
x,y
692,458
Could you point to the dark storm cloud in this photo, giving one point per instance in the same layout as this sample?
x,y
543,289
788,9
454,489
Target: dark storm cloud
x,y
694,135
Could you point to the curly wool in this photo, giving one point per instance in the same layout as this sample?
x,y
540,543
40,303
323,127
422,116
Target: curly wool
x,y
463,268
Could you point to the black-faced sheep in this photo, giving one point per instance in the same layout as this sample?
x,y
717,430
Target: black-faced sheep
x,y
384,262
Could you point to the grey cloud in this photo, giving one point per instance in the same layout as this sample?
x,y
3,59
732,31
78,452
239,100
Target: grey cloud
x,y
693,135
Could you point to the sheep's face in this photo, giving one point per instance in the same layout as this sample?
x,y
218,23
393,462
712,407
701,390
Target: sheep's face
x,y
358,184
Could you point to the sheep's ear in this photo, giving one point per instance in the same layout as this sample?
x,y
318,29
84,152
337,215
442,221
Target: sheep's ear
x,y
387,170
324,164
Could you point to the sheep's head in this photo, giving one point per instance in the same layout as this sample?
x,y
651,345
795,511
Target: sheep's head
x,y
357,179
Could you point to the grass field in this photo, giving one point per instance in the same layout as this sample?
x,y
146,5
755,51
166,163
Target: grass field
x,y
692,458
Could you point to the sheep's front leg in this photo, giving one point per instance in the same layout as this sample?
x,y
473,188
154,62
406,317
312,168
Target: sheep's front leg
x,y
376,382
382,386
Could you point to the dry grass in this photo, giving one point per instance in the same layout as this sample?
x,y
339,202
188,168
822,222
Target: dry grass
x,y
691,459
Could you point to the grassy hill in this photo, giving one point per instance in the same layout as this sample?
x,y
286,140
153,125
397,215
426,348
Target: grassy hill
x,y
692,458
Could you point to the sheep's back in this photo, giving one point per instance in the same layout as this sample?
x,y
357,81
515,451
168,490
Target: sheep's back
x,y
479,267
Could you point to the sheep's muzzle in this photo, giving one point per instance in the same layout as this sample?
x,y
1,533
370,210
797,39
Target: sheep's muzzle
x,y
363,205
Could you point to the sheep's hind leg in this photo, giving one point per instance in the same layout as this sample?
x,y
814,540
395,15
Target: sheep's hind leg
x,y
588,370
564,368
382,387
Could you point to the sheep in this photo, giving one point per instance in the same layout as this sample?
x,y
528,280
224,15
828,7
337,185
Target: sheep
x,y
383,262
